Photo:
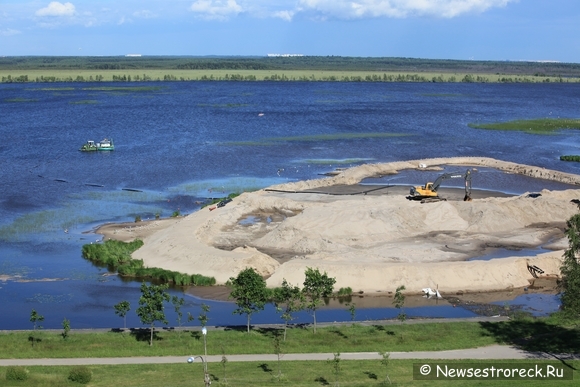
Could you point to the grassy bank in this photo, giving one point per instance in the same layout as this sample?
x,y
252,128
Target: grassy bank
x,y
356,338
534,335
353,373
139,75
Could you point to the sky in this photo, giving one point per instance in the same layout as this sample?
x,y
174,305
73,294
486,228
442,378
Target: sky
x,y
531,30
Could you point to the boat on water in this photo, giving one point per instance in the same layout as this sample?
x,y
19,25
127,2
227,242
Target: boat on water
x,y
104,145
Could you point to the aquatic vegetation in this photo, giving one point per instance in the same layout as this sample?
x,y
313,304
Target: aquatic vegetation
x,y
443,95
570,158
56,89
84,102
223,105
50,299
537,126
335,161
20,100
320,137
117,255
132,89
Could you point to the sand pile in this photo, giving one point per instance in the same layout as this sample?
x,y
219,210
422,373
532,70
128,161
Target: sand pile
x,y
370,243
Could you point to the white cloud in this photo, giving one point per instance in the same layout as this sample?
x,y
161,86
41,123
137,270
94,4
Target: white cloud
x,y
216,9
9,32
144,14
57,9
354,9
284,15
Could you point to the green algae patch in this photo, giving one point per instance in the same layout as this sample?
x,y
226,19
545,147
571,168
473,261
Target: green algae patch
x,y
84,102
536,126
318,137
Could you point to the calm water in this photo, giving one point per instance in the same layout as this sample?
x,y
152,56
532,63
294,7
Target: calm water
x,y
184,142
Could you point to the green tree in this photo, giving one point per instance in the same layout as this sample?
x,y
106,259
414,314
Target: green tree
x,y
203,315
279,354
250,293
385,359
399,302
570,269
177,304
121,310
151,307
288,299
352,310
35,319
65,329
317,286
336,368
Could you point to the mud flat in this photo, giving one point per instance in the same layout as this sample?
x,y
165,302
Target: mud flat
x,y
371,243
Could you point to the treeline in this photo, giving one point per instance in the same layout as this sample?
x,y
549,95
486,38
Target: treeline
x,y
323,63
468,78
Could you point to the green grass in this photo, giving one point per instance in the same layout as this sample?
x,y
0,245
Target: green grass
x,y
553,335
349,338
537,126
353,373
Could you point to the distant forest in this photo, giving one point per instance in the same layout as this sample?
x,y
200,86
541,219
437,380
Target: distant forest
x,y
319,63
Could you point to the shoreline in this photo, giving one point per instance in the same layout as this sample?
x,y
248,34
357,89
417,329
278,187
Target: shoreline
x,y
386,241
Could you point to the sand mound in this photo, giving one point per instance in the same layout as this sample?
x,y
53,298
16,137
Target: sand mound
x,y
371,243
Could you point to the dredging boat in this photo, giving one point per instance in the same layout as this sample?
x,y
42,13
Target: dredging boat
x,y
104,145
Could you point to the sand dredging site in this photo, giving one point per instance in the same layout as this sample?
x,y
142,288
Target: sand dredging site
x,y
370,242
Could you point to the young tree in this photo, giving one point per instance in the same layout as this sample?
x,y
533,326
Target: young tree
x,y
65,328
317,286
399,302
352,310
224,363
177,304
570,269
279,353
203,315
288,299
151,308
121,310
249,290
36,318
336,368
385,362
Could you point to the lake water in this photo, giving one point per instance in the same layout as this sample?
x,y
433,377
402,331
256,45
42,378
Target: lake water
x,y
180,143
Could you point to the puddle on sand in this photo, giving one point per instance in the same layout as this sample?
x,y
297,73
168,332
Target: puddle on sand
x,y
508,253
252,219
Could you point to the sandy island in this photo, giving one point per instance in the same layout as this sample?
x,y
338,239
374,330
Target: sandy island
x,y
370,242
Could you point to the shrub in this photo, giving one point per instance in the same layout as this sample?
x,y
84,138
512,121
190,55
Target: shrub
x,y
80,374
342,292
16,373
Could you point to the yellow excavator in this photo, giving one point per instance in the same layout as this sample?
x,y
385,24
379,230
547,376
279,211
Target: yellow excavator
x,y
428,192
